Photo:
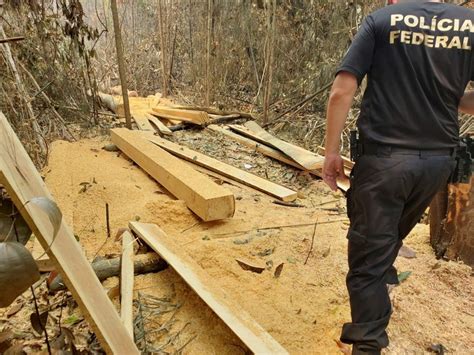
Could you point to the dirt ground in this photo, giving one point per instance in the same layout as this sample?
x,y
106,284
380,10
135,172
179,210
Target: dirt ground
x,y
304,308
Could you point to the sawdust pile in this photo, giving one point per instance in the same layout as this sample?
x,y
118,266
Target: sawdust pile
x,y
304,307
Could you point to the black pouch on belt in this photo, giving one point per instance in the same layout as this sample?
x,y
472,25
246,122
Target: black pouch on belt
x,y
464,161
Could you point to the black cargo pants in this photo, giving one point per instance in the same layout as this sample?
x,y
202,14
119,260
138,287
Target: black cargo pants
x,y
390,190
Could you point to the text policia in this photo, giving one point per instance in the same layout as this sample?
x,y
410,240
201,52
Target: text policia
x,y
451,33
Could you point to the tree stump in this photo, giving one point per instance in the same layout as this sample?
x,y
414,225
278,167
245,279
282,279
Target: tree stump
x,y
452,223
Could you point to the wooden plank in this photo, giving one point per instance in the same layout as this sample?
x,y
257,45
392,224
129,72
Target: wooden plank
x,y
227,170
215,111
142,122
240,322
126,282
196,117
302,156
246,132
265,150
160,126
275,154
203,196
23,183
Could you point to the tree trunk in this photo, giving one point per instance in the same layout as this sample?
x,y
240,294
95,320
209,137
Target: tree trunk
x,y
269,59
452,223
163,50
121,63
143,264
208,51
23,93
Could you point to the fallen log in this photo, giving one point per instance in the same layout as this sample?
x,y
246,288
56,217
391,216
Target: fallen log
x,y
143,264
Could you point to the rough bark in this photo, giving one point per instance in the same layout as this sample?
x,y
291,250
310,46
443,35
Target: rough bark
x,y
121,63
452,223
143,264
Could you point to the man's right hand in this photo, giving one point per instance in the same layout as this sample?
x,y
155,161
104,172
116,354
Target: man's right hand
x,y
333,169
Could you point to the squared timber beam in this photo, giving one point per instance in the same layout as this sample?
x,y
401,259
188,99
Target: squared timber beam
x,y
258,183
202,195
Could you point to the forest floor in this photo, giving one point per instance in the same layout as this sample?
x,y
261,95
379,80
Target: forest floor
x,y
303,309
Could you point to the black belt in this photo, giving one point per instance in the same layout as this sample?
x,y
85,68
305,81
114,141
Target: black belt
x,y
387,150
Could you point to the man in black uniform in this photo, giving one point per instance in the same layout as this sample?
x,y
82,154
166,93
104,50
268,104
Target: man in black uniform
x,y
418,58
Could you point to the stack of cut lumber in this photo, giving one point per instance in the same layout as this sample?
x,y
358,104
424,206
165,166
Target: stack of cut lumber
x,y
157,114
165,162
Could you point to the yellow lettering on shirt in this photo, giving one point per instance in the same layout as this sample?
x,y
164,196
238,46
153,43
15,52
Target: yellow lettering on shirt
x,y
441,42
425,25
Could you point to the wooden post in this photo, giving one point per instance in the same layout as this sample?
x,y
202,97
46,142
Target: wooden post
x,y
452,222
121,63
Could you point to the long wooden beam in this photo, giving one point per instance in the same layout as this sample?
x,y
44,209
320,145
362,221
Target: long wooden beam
x,y
246,132
126,282
24,184
226,170
257,339
261,148
202,195
196,117
160,126
302,156
343,184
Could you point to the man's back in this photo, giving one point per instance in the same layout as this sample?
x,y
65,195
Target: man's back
x,y
421,61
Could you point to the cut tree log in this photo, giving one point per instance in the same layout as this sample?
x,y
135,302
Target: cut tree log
x,y
105,268
452,223
227,170
202,196
196,117
302,156
257,339
23,183
126,282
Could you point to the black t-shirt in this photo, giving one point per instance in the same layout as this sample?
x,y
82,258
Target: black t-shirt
x,y
419,59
